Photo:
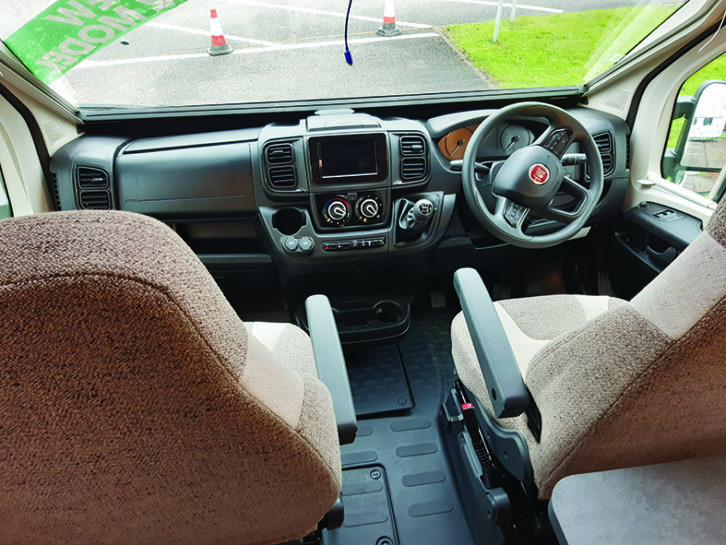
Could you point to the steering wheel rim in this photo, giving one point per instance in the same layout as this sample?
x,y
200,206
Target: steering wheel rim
x,y
507,219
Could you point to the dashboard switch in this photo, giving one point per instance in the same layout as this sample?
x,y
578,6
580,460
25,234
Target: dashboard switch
x,y
290,243
306,244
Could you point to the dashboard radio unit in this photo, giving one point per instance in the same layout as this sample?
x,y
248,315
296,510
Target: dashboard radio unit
x,y
348,159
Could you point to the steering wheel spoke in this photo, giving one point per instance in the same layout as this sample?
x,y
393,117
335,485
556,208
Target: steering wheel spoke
x,y
574,188
571,187
510,215
556,139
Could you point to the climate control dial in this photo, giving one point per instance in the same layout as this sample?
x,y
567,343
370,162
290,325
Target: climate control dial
x,y
337,212
368,209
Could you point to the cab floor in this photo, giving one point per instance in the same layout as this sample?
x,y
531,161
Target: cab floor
x,y
398,488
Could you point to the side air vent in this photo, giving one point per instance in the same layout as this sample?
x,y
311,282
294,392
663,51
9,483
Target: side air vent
x,y
279,154
283,177
627,152
413,145
92,178
95,200
92,188
414,157
604,142
413,168
56,190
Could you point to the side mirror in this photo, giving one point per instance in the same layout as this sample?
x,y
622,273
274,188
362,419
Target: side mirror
x,y
700,154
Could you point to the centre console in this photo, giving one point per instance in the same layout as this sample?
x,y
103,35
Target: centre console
x,y
341,187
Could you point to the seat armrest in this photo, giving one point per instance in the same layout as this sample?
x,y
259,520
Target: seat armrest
x,y
330,363
507,392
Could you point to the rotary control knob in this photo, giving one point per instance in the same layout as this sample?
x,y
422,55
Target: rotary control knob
x,y
368,208
336,212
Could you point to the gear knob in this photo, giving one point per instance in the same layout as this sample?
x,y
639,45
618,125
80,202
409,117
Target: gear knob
x,y
422,210
418,215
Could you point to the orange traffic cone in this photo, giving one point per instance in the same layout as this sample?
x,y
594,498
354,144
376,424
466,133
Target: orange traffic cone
x,y
389,27
219,44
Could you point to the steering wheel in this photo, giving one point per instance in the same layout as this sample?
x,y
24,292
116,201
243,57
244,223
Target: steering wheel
x,y
529,178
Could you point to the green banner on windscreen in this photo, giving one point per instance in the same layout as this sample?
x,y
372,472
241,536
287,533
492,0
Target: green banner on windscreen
x,y
69,31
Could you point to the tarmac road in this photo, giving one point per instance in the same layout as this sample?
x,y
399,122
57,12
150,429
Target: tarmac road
x,y
288,50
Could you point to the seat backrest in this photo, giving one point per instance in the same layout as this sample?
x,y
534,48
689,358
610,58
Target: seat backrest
x,y
135,408
643,383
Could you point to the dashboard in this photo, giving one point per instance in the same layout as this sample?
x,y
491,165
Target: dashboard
x,y
336,189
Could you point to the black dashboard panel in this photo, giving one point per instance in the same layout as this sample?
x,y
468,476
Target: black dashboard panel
x,y
403,198
174,182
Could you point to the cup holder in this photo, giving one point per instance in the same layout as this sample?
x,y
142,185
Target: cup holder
x,y
365,320
388,312
288,220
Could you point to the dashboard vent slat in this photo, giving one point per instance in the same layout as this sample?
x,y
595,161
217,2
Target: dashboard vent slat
x,y
413,168
412,145
604,143
283,177
627,153
95,200
92,178
279,154
56,190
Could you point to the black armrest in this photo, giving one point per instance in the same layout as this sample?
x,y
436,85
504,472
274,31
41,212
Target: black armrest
x,y
508,394
331,364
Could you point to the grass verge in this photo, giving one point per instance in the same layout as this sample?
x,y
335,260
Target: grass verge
x,y
554,50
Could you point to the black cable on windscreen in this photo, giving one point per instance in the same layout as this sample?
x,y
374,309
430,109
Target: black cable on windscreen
x,y
348,56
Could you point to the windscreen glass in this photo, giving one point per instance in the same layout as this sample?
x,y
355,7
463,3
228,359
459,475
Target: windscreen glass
x,y
168,53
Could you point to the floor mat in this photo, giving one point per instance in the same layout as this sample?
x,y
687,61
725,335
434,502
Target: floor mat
x,y
407,449
377,380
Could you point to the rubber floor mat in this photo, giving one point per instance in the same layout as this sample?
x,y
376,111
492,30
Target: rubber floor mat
x,y
406,446
377,380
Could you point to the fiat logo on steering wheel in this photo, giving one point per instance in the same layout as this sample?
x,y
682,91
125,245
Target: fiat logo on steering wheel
x,y
539,174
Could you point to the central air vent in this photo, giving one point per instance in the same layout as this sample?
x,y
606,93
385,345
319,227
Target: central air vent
x,y
414,157
281,171
604,142
279,154
413,145
283,177
413,168
92,188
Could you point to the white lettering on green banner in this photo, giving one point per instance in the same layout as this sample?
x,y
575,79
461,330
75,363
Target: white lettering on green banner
x,y
69,31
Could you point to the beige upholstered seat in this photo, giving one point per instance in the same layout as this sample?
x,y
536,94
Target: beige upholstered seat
x,y
621,383
137,408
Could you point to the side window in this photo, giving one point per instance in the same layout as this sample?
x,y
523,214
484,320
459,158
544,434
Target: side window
x,y
5,210
695,156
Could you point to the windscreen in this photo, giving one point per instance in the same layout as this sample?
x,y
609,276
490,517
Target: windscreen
x,y
166,53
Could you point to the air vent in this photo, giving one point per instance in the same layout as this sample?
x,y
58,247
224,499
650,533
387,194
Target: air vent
x,y
279,154
92,178
604,142
56,190
92,188
627,152
413,145
413,168
95,200
283,177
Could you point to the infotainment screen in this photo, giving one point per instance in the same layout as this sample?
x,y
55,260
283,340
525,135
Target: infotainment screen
x,y
343,159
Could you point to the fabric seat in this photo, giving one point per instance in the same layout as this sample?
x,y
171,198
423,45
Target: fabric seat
x,y
137,407
620,383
